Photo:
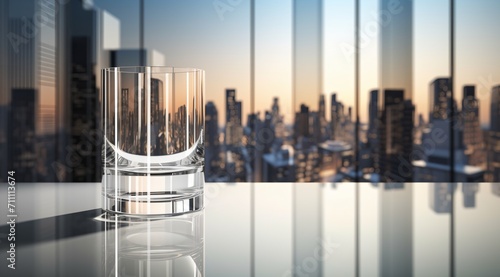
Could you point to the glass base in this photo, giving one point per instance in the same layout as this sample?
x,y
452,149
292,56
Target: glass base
x,y
153,195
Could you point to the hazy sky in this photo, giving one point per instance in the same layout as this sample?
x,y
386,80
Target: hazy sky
x,y
197,34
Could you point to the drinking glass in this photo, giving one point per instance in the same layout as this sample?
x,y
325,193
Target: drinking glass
x,y
153,121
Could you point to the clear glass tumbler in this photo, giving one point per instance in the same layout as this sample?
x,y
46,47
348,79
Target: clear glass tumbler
x,y
153,120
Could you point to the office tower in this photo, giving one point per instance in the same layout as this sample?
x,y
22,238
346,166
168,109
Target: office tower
x,y
307,161
21,151
434,167
277,119
495,109
373,129
494,136
335,156
472,133
439,99
315,127
230,105
322,118
396,114
348,127
212,144
336,112
238,166
278,167
301,126
275,109
322,108
252,146
234,130
134,57
79,104
396,135
27,61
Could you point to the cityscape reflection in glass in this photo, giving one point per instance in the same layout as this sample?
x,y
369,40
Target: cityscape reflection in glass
x,y
153,150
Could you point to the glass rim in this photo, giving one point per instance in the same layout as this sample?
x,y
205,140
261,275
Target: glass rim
x,y
152,69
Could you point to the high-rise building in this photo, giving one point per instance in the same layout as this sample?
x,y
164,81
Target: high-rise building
x,y
80,106
373,129
435,165
439,99
495,109
335,117
396,114
315,127
27,61
212,144
396,137
301,126
472,133
494,137
322,108
278,167
307,161
322,118
134,57
21,151
277,119
234,130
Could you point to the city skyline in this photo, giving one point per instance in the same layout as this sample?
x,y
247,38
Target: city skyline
x,y
284,78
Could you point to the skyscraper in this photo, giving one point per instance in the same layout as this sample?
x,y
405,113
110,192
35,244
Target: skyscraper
x,y
396,115
472,133
322,108
277,119
373,131
439,99
212,144
278,167
494,136
396,138
322,119
335,117
301,126
21,151
495,109
80,99
435,165
27,57
234,130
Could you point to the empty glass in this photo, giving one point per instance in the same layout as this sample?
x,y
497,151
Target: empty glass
x,y
153,120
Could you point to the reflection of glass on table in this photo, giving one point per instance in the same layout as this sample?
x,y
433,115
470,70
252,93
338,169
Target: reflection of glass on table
x,y
168,246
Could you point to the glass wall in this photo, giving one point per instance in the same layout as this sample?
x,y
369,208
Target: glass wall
x,y
322,91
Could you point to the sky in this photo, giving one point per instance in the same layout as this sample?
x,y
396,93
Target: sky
x,y
215,36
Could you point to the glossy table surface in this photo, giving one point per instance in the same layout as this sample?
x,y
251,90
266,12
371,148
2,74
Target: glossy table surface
x,y
261,229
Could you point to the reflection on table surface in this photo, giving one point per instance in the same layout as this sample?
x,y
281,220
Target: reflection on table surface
x,y
262,229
